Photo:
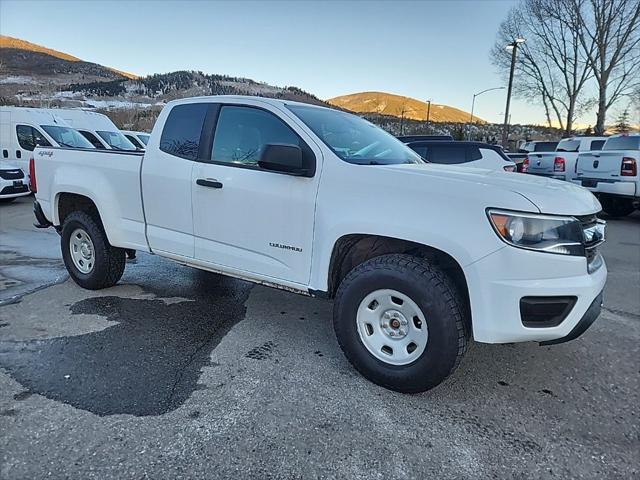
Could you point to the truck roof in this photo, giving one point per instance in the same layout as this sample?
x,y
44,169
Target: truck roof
x,y
222,98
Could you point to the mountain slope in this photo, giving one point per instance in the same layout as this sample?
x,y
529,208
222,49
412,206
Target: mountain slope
x,y
399,106
22,58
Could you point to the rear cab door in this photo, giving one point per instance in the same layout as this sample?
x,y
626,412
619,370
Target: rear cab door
x,y
174,149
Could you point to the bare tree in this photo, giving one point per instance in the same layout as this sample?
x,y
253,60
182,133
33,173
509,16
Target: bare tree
x,y
613,26
551,65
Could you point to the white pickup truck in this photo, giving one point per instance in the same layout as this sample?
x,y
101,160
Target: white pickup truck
x,y
612,174
418,257
561,164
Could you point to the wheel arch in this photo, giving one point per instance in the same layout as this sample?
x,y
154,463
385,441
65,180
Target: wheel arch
x,y
351,250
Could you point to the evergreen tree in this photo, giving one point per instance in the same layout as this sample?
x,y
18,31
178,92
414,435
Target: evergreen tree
x,y
622,124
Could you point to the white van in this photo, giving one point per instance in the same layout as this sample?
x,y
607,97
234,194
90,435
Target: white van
x,y
97,128
139,139
22,128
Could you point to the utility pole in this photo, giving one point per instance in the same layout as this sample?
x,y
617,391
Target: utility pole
x,y
513,46
428,110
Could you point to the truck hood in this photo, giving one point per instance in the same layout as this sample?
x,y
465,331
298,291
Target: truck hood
x,y
549,196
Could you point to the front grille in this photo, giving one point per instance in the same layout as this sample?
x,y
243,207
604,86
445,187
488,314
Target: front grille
x,y
11,190
11,174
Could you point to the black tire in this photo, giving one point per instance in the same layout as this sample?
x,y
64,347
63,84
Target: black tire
x,y
109,261
7,200
433,292
616,206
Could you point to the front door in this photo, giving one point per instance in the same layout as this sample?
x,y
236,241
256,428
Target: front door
x,y
246,218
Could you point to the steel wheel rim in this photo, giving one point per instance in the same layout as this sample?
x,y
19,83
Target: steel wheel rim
x,y
392,327
82,251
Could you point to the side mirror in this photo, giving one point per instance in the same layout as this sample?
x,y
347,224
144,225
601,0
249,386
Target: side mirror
x,y
279,157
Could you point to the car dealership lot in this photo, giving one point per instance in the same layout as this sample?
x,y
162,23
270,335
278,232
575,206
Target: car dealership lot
x,y
177,373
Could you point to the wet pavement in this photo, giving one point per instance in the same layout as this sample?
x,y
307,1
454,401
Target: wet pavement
x,y
177,373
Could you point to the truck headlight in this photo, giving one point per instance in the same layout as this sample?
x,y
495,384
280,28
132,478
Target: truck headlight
x,y
543,233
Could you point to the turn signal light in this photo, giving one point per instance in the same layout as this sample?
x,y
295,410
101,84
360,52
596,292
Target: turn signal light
x,y
525,165
629,167
558,164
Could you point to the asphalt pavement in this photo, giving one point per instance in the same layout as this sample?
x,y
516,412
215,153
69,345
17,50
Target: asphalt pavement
x,y
178,373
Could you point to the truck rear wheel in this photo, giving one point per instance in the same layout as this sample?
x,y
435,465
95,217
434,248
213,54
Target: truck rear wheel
x,y
616,206
399,321
90,260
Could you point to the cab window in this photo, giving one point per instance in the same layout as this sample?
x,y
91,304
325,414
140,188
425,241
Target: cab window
x,y
242,133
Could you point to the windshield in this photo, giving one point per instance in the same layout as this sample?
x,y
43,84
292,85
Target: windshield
x,y
623,143
143,138
353,139
116,140
568,145
66,137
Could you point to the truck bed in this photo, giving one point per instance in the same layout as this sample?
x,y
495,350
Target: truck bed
x,y
95,174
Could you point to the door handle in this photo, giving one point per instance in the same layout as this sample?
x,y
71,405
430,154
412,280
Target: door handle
x,y
209,182
5,153
18,154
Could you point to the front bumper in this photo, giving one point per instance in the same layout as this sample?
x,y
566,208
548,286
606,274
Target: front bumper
x,y
498,282
623,189
9,190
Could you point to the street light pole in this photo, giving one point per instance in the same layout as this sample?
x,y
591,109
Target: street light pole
x,y
428,110
473,103
505,129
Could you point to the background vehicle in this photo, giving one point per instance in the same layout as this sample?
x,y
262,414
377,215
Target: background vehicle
x,y
139,139
13,182
22,128
469,154
416,138
323,203
97,128
612,174
561,164
528,147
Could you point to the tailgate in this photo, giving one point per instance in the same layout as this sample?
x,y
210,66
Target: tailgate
x,y
541,163
601,164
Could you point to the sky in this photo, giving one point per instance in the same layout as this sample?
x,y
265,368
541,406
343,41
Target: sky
x,y
436,50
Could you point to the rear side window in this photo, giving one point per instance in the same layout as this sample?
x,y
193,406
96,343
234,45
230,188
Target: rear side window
x,y
182,130
421,150
448,155
92,139
29,138
473,153
545,146
568,145
243,132
622,143
597,144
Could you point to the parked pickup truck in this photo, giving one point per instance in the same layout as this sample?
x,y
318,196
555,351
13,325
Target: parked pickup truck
x,y
418,257
561,163
612,174
527,148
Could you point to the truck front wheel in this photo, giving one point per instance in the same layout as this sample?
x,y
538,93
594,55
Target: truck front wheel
x,y
399,321
90,260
